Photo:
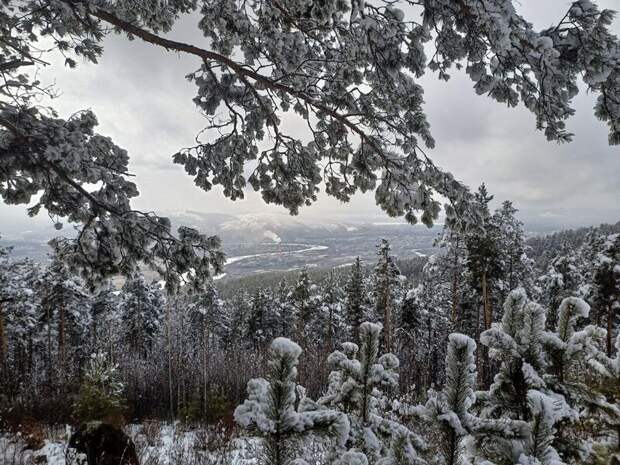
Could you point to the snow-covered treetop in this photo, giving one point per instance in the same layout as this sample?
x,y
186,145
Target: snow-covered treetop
x,y
270,407
348,70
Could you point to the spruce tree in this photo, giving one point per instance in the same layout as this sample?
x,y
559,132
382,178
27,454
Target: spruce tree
x,y
101,392
448,267
411,334
20,311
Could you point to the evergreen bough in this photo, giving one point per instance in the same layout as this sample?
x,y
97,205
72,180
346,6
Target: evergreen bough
x,y
272,410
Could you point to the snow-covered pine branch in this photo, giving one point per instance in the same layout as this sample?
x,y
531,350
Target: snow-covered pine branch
x,y
270,409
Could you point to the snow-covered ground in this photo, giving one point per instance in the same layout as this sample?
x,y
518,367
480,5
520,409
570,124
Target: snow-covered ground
x,y
156,444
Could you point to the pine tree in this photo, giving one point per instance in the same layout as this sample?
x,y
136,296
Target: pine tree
x,y
65,314
271,410
356,301
569,353
101,393
19,335
330,321
104,308
483,257
561,279
142,313
359,386
609,389
607,288
386,291
519,395
258,332
517,268
451,406
207,322
340,43
283,310
484,271
301,298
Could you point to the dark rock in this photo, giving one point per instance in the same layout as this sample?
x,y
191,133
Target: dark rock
x,y
102,444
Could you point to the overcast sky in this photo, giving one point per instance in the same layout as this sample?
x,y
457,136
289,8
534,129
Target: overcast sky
x,y
143,102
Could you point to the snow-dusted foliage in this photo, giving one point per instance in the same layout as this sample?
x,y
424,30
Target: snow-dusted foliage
x,y
517,343
360,385
101,392
606,289
553,400
271,410
65,317
356,301
348,70
542,383
387,284
451,406
142,309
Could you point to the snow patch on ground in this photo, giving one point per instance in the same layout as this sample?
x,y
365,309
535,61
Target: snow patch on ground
x,y
172,445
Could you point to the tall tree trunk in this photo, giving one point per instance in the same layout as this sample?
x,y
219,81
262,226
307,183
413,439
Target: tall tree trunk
x,y
61,336
4,345
169,344
330,329
488,319
455,299
488,315
610,329
455,285
49,348
205,372
387,320
300,324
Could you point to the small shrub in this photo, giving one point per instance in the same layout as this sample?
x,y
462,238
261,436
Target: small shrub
x,y
151,429
101,393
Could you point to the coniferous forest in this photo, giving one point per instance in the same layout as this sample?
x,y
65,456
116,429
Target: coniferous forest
x,y
499,346
127,347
